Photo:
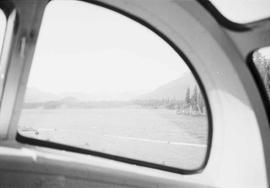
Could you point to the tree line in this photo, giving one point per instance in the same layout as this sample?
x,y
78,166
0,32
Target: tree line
x,y
192,104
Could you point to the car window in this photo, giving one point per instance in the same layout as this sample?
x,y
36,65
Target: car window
x,y
243,11
261,59
103,82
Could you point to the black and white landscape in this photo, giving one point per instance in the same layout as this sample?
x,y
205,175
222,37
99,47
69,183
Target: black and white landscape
x,y
166,119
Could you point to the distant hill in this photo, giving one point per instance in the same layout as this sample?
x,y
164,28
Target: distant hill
x,y
69,99
173,89
34,95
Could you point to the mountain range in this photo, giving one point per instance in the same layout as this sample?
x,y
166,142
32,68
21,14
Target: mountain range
x,y
174,89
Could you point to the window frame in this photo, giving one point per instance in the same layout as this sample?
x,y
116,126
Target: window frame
x,y
48,144
227,23
9,11
259,82
7,8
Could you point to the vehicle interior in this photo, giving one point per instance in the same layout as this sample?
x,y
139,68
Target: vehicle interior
x,y
131,142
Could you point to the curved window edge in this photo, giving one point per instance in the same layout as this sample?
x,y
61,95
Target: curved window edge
x,y
7,6
259,83
225,22
52,145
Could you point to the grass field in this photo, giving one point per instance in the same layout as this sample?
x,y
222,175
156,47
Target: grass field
x,y
154,135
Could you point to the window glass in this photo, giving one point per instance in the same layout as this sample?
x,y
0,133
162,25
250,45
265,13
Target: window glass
x,y
261,59
243,11
106,83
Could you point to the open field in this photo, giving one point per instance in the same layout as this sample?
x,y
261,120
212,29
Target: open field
x,y
154,135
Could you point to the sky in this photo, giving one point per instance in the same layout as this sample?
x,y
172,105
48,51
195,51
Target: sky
x,y
90,49
86,48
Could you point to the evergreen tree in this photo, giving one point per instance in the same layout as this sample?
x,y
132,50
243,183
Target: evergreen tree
x,y
187,99
194,99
